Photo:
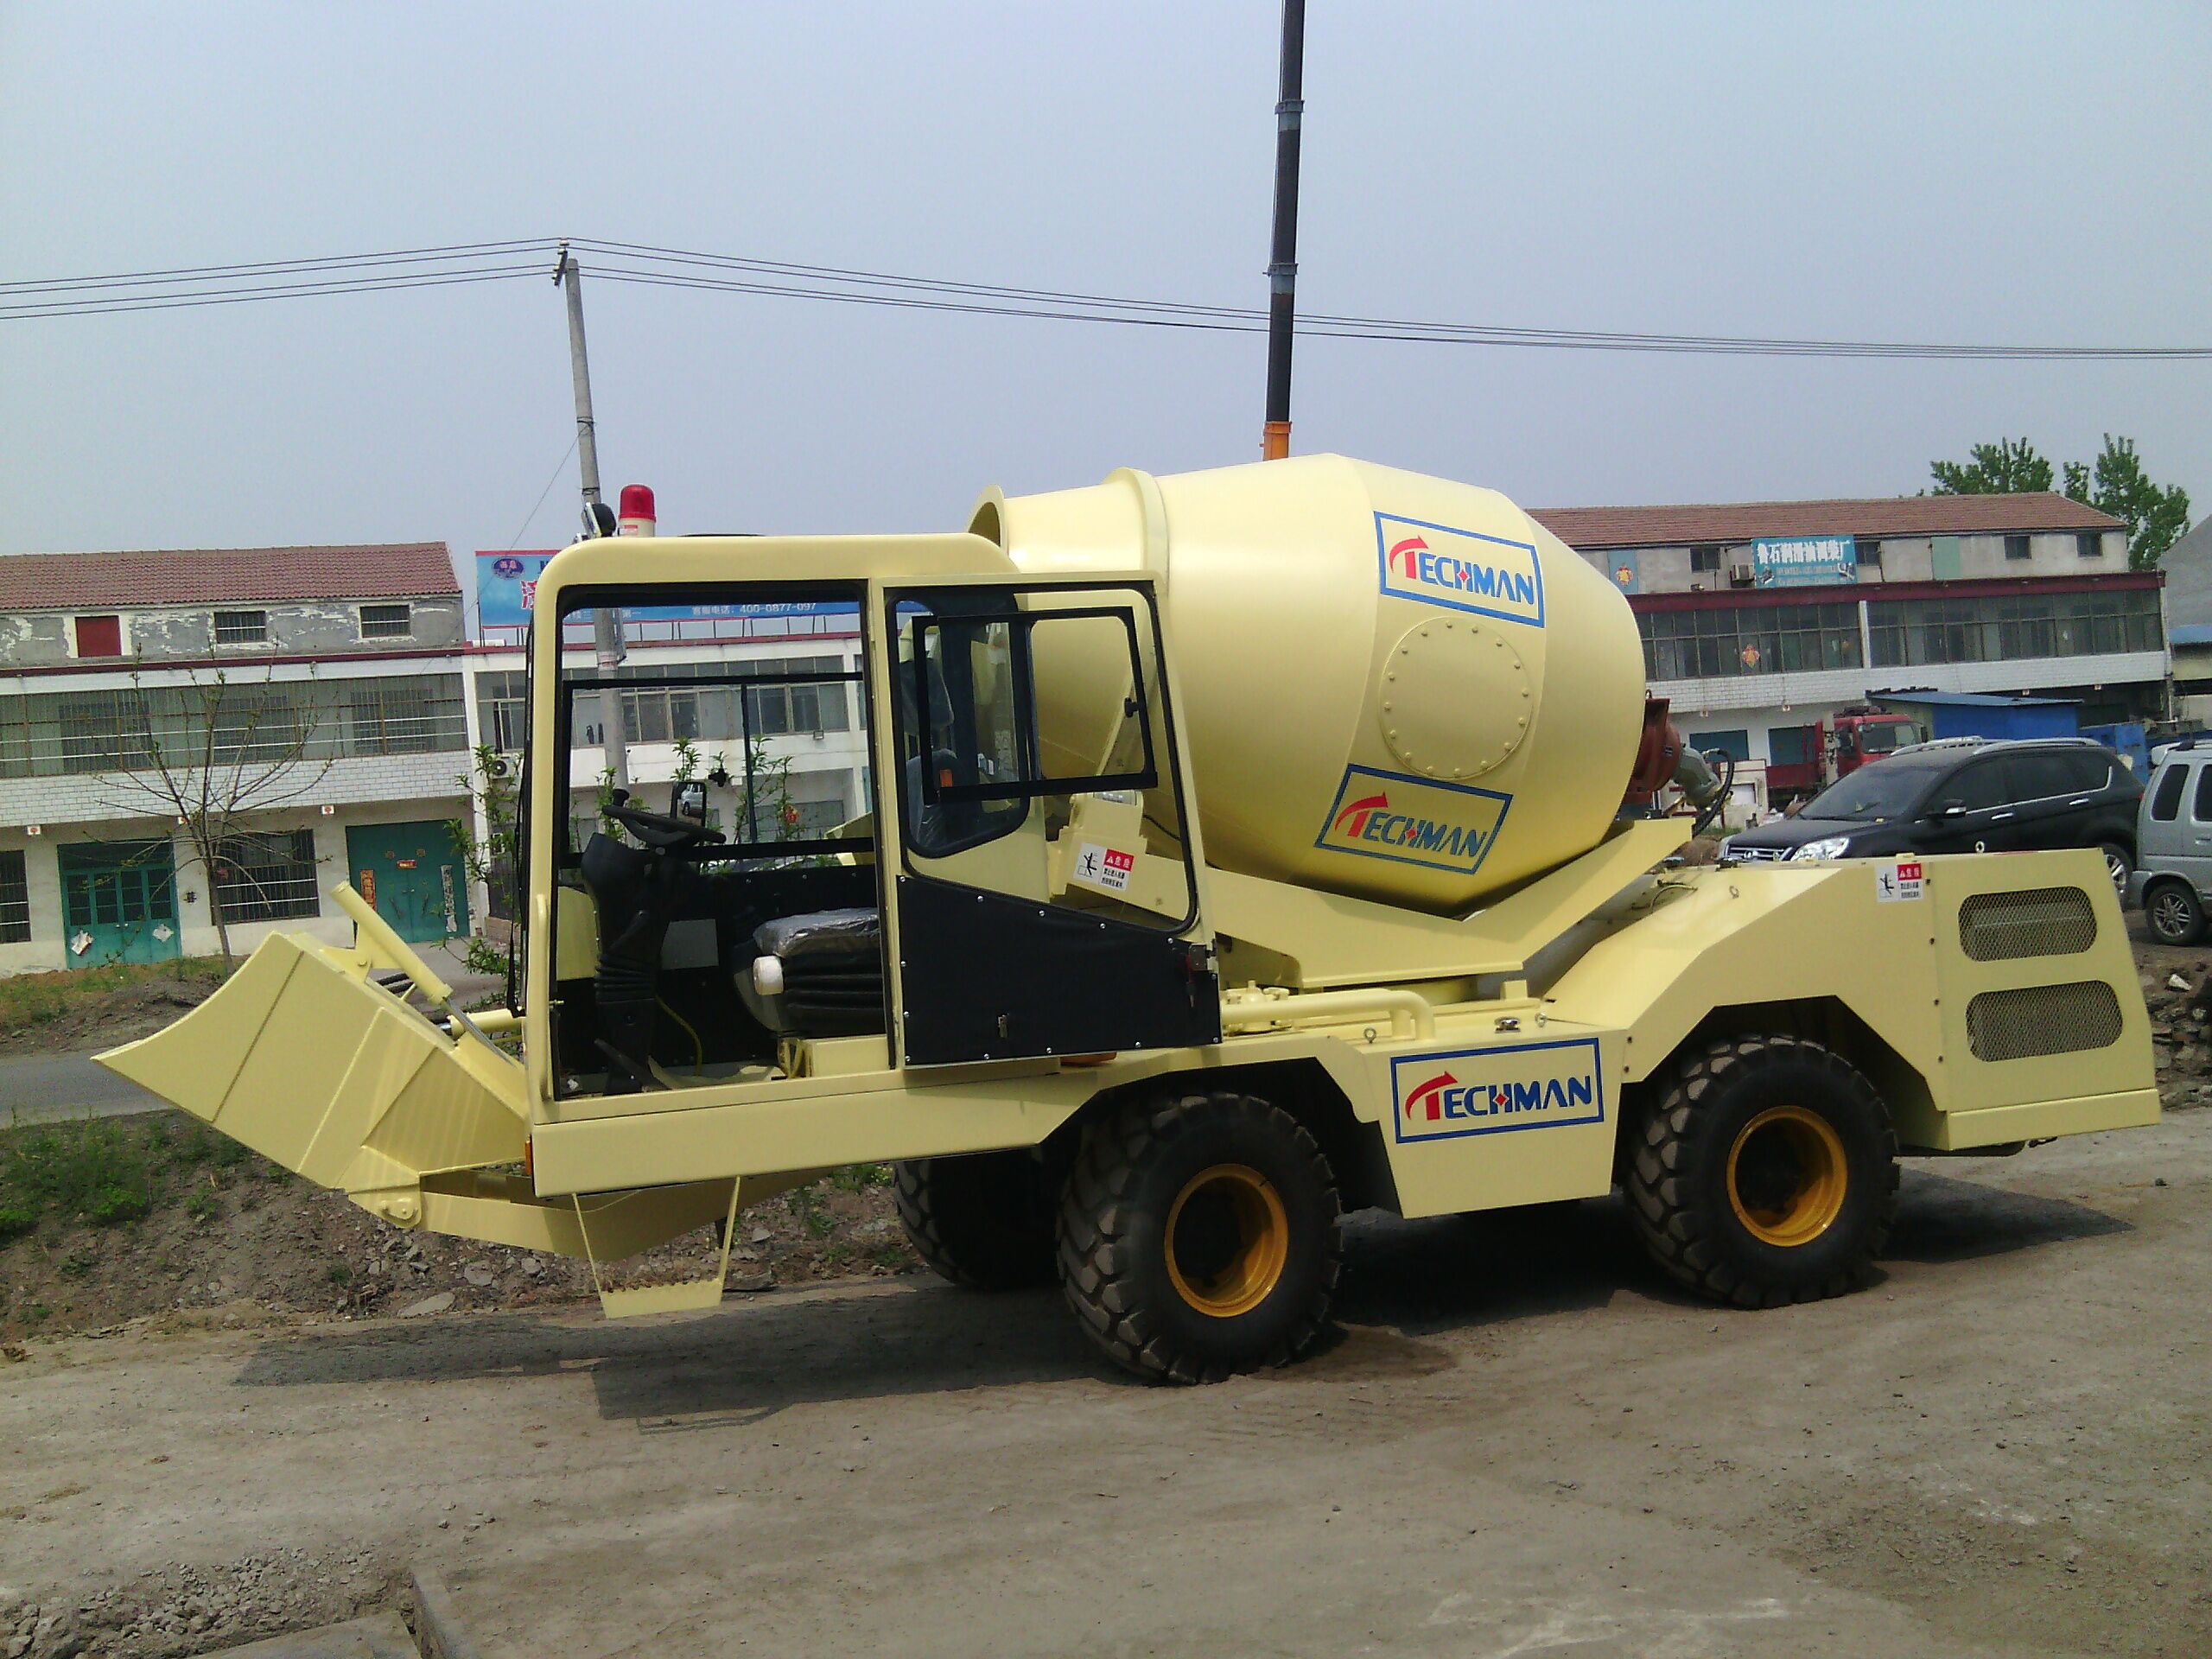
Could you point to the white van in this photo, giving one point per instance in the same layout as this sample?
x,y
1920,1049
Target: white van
x,y
2173,846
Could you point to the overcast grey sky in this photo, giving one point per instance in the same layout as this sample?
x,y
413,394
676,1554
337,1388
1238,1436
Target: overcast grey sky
x,y
2014,173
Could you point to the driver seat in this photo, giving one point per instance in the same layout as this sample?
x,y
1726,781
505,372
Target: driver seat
x,y
819,973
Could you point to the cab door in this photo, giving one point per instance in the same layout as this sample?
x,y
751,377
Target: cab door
x,y
1046,899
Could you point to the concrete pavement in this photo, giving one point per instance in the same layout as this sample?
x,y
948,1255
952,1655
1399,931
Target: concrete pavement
x,y
52,1088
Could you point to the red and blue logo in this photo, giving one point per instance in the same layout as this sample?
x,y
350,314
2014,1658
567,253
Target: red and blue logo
x,y
1413,820
1488,1091
1460,570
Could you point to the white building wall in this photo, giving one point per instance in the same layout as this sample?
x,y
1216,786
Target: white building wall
x,y
1903,558
48,949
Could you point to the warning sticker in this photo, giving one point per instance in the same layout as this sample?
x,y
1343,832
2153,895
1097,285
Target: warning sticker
x,y
1900,881
1103,866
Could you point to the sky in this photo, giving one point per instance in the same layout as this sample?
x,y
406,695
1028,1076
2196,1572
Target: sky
x,y
2028,174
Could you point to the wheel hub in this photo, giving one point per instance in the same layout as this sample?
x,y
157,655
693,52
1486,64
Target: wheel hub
x,y
1787,1176
1228,1238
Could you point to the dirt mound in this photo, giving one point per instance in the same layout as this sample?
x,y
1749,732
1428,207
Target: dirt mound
x,y
213,1234
122,1015
2179,997
164,1614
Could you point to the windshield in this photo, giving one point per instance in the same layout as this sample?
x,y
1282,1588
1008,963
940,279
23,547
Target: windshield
x,y
1880,740
1882,790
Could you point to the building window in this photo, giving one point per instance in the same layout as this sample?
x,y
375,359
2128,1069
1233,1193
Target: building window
x,y
1726,640
99,636
101,731
387,622
267,877
1704,558
254,724
241,627
1870,553
15,899
1736,745
1988,628
503,710
405,714
778,709
2016,547
2090,544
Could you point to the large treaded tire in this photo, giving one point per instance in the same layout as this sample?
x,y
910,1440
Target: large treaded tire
x,y
983,1220
1680,1169
1137,1164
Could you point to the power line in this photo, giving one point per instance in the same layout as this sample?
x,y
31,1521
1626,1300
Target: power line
x,y
102,306
647,265
334,262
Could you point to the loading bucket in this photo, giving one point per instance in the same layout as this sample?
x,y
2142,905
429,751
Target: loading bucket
x,y
304,1059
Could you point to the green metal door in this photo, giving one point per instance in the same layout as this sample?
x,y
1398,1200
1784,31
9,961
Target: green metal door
x,y
411,873
118,902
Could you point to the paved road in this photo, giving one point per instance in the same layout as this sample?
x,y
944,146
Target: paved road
x,y
47,1088
1524,1443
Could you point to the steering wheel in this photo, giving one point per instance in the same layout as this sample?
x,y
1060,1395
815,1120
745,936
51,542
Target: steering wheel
x,y
662,831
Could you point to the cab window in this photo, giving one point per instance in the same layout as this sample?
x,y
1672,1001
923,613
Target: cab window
x,y
1033,752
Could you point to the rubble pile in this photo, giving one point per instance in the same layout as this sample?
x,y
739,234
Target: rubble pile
x,y
181,1610
2180,1001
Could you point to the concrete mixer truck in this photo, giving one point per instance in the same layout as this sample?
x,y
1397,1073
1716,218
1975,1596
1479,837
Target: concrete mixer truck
x,y
1242,849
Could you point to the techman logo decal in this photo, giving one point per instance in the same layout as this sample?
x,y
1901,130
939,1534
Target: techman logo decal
x,y
1490,1090
1413,820
1460,569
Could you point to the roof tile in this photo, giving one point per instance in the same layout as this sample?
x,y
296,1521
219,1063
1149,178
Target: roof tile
x,y
80,582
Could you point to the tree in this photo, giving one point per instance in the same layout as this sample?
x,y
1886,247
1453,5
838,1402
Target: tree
x,y
210,754
488,841
2008,466
2156,516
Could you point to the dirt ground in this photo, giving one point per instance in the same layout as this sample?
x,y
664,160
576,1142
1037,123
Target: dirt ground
x,y
239,1242
1523,1443
123,1015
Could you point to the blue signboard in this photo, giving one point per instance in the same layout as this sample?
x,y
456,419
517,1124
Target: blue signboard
x,y
506,592
1804,561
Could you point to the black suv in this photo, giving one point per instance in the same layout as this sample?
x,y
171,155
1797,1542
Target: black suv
x,y
1965,795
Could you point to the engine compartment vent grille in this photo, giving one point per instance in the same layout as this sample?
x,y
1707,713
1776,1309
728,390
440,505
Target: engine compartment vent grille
x,y
2037,1019
2031,921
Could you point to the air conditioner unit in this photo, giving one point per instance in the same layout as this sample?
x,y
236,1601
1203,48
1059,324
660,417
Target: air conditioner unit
x,y
1741,575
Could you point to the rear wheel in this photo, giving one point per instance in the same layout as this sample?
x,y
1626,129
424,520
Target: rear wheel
x,y
1765,1173
1198,1236
2173,912
983,1220
2118,865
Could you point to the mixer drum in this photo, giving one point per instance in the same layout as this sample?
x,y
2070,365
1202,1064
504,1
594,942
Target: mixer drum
x,y
1395,686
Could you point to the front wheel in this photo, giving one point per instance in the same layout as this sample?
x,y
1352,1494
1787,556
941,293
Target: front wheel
x,y
1198,1236
1765,1173
2173,912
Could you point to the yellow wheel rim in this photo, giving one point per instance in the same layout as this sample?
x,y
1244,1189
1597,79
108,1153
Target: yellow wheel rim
x,y
1227,1240
1787,1176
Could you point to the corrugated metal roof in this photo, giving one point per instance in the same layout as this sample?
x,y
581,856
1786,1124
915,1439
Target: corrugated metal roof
x,y
80,582
1882,515
1974,700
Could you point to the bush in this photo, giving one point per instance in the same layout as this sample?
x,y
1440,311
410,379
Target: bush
x,y
96,1173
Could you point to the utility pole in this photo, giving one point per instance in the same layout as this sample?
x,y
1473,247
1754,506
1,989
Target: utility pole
x,y
1282,259
607,626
